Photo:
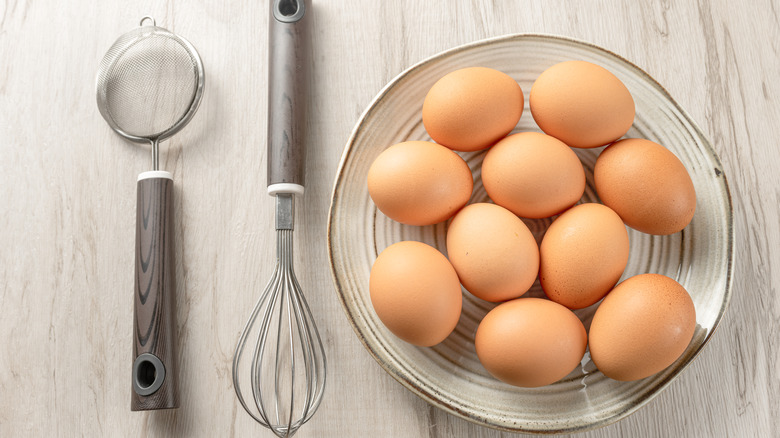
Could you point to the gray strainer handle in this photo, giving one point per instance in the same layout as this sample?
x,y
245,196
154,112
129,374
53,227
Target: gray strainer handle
x,y
288,36
154,384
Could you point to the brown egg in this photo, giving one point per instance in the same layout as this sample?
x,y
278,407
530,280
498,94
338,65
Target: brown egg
x,y
493,252
533,175
419,182
647,185
583,254
530,342
581,104
415,293
472,108
641,327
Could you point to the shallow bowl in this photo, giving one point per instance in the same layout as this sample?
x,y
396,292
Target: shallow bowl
x,y
449,375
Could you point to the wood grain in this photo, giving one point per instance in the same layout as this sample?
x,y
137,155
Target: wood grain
x,y
154,310
67,186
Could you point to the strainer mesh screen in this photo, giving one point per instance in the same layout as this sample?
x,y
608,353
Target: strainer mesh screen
x,y
147,82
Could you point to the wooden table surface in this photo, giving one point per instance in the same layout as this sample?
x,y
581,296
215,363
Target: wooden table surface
x,y
67,189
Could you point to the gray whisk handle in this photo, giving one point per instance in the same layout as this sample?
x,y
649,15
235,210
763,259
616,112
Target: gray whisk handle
x,y
288,51
154,377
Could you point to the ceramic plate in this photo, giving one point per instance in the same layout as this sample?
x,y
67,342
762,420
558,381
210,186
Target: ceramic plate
x,y
449,375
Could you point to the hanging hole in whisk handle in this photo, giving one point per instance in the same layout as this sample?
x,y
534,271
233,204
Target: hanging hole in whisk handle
x,y
288,11
148,18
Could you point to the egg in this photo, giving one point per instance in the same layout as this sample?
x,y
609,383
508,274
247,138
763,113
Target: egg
x,y
530,342
647,185
582,104
419,182
641,327
415,293
533,175
493,252
583,254
472,108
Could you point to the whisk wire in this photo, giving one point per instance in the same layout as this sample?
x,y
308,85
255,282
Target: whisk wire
x,y
260,344
284,309
242,341
316,370
303,334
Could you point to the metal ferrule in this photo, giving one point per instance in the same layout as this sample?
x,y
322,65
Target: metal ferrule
x,y
285,218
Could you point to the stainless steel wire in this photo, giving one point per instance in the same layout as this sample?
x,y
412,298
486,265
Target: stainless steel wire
x,y
287,369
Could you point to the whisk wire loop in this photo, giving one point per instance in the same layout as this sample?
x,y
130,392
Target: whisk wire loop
x,y
264,297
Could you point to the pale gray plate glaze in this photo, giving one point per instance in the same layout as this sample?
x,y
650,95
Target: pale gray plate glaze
x,y
449,375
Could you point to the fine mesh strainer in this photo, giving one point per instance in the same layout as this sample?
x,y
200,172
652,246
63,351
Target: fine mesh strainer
x,y
149,86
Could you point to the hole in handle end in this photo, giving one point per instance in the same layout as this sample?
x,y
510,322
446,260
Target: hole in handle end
x,y
148,374
288,8
289,11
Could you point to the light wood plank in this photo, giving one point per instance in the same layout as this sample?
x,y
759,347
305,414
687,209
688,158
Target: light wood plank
x,y
67,184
